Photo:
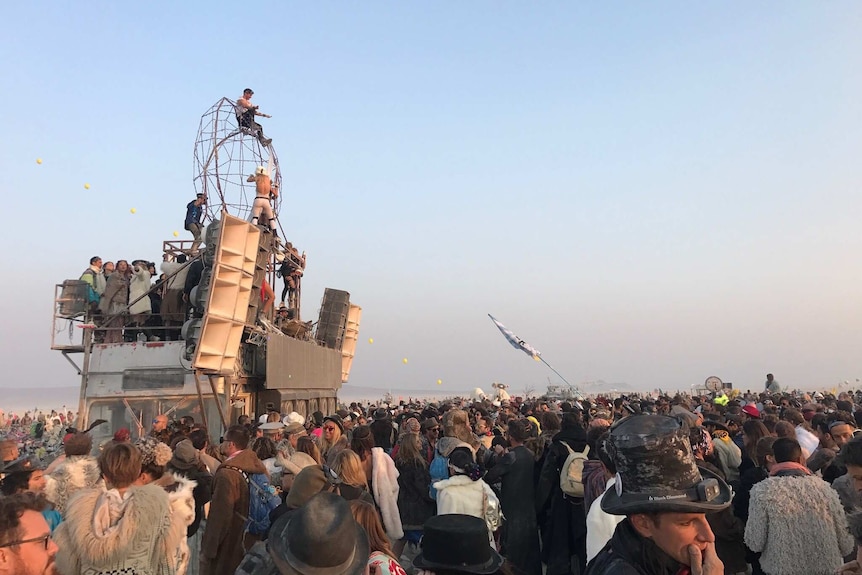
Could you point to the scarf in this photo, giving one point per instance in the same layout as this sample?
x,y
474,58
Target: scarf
x,y
788,466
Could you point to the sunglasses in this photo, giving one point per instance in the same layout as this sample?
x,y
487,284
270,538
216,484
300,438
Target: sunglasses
x,y
330,428
44,539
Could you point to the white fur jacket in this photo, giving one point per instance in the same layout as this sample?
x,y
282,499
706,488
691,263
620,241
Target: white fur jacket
x,y
74,473
460,494
798,524
384,486
182,500
106,533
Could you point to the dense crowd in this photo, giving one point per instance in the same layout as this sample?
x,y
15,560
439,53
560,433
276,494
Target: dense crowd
x,y
751,483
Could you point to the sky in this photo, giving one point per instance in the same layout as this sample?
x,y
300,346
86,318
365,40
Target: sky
x,y
648,193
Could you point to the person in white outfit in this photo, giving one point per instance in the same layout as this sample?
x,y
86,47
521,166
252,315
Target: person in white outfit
x,y
465,491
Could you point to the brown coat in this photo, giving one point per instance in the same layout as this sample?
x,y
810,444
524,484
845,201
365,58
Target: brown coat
x,y
221,546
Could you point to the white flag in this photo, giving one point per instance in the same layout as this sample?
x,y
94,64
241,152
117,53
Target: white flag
x,y
516,341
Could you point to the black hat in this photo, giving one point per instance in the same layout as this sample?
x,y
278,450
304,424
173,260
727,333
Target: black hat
x,y
320,538
380,414
455,542
715,424
656,470
336,420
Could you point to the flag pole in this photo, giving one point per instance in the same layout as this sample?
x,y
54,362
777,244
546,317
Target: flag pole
x,y
542,359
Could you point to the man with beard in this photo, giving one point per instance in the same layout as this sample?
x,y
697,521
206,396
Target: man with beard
x,y
26,547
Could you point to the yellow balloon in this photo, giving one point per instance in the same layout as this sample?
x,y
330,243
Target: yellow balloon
x,y
86,186
176,234
38,160
133,210
439,382
370,340
404,360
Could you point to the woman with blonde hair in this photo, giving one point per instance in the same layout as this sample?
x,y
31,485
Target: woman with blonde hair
x,y
352,484
382,559
456,423
332,438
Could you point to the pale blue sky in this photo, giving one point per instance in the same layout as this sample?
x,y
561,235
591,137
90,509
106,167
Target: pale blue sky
x,y
648,193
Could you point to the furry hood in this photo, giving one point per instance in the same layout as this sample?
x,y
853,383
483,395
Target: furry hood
x,y
74,473
445,445
459,481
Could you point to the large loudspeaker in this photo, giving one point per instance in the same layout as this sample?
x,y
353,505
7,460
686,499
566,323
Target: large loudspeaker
x,y
227,299
333,318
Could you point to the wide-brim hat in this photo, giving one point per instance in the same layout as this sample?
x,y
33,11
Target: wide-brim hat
x,y
715,424
751,411
319,538
657,471
455,542
380,414
293,427
271,427
336,420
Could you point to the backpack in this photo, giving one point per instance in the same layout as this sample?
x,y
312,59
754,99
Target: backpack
x,y
439,470
572,471
261,500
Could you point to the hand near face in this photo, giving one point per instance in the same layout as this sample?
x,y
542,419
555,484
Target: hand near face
x,y
705,563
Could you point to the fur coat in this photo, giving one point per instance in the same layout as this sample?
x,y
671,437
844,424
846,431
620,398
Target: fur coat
x,y
798,525
180,492
139,284
136,533
384,487
74,473
460,494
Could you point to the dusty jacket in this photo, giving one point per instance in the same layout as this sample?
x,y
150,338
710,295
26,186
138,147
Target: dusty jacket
x,y
799,526
141,540
75,473
221,545
384,487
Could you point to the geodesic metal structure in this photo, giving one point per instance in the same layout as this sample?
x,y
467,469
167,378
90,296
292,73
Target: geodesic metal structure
x,y
225,155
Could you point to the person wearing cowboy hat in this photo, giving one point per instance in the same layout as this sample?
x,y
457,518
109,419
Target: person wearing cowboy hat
x,y
664,497
457,543
319,538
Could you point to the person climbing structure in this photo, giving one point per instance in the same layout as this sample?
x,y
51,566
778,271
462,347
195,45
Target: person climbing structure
x,y
264,192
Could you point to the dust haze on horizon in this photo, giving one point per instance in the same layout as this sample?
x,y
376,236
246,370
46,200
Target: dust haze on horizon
x,y
649,195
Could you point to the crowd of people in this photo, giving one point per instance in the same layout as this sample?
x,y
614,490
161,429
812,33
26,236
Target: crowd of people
x,y
751,483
